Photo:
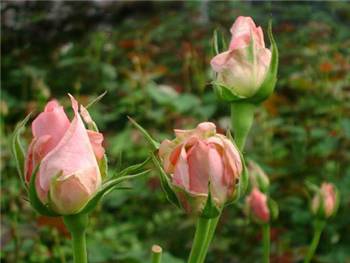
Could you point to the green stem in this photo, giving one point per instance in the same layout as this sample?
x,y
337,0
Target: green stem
x,y
212,226
242,117
202,230
76,225
266,242
319,226
156,254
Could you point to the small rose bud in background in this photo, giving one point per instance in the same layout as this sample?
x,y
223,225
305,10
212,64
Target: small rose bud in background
x,y
198,158
325,202
257,176
257,206
243,68
68,155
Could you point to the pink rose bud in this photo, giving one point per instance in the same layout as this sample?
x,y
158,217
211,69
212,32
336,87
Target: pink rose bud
x,y
324,203
244,66
257,207
199,156
68,155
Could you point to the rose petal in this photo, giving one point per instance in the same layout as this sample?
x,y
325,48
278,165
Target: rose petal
x,y
73,153
198,163
37,150
70,193
258,204
96,139
181,173
218,186
53,122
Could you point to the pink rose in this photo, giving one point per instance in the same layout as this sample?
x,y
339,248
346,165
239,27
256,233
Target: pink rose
x,y
68,155
256,203
243,68
326,200
199,156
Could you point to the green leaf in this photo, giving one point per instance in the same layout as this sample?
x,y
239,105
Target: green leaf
x,y
154,144
106,188
165,183
34,199
17,149
210,209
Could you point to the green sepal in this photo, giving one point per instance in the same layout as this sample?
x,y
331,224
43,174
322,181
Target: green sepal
x,y
133,168
103,166
106,188
210,209
273,208
34,199
18,151
337,201
103,163
96,99
243,182
218,42
226,94
312,187
269,83
165,183
153,143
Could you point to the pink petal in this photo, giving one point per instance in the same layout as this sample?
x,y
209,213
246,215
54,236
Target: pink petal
x,y
53,122
218,186
73,153
96,139
205,129
240,42
220,61
70,193
258,204
329,196
164,152
198,164
85,115
183,134
181,173
259,37
232,156
37,150
242,25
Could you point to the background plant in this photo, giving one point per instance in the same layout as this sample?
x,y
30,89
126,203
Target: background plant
x,y
153,59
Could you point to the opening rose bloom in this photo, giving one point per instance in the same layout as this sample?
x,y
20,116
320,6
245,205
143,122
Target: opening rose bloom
x,y
68,155
199,156
243,67
257,207
325,202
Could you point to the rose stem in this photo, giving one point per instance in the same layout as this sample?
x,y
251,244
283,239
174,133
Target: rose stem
x,y
156,254
319,226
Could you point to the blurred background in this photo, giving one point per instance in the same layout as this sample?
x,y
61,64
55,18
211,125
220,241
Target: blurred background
x,y
153,58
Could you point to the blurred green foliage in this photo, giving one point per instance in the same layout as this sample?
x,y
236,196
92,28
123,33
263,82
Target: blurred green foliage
x,y
153,59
